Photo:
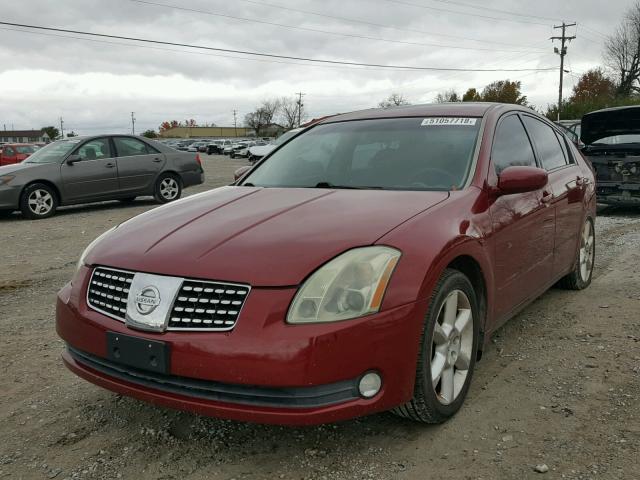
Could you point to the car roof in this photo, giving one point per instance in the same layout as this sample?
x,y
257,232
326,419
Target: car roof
x,y
463,109
613,109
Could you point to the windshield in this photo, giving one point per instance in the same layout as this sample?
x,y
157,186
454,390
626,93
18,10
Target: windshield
x,y
25,148
618,140
284,137
54,152
394,154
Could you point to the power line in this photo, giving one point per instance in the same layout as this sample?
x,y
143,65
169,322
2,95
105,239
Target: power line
x,y
316,30
469,14
497,10
262,54
371,24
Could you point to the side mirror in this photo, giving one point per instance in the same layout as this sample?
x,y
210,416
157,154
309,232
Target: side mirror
x,y
239,173
521,180
73,159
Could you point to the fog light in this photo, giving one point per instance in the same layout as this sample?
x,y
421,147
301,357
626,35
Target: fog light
x,y
370,385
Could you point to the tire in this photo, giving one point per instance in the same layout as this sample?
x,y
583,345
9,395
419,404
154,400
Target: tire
x,y
232,155
168,188
38,201
127,200
452,349
582,273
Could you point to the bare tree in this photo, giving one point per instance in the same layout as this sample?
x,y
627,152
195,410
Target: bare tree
x,y
289,112
394,100
622,52
448,96
262,116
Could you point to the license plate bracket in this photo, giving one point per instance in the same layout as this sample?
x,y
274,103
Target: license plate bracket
x,y
140,353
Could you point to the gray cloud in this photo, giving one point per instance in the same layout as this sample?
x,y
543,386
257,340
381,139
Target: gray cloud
x,y
95,85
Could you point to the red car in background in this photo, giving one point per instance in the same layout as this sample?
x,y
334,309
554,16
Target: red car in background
x,y
361,266
16,152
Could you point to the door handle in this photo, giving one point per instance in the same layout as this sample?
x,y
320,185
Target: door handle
x,y
156,160
110,165
546,197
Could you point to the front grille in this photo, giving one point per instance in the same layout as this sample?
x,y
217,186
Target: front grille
x,y
207,305
108,291
199,305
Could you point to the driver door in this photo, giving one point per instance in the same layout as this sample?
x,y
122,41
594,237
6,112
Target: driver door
x,y
523,225
94,174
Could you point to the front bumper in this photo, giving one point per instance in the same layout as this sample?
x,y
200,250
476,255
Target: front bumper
x,y
268,371
9,197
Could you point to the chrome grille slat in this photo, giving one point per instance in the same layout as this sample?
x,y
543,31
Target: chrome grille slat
x,y
108,291
195,306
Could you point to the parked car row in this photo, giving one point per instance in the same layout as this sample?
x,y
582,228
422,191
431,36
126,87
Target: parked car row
x,y
93,169
11,153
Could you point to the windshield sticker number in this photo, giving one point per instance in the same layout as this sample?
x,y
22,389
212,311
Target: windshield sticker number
x,y
437,121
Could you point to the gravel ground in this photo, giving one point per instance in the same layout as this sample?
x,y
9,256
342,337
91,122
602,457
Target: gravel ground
x,y
556,392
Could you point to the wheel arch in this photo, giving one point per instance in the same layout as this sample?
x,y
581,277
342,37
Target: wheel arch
x,y
470,267
48,183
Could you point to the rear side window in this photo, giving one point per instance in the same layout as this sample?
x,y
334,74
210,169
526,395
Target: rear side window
x,y
565,148
547,144
511,146
130,147
8,151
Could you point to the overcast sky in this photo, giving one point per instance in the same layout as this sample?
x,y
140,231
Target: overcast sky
x,y
95,86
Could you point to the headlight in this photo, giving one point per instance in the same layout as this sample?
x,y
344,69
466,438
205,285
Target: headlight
x,y
349,286
90,246
6,179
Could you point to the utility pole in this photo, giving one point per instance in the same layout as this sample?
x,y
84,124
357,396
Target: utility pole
x,y
300,104
133,123
235,122
562,52
61,128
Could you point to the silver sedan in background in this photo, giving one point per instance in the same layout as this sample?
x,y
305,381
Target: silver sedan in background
x,y
94,169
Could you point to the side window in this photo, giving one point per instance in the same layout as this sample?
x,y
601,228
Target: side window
x,y
565,148
547,144
8,151
511,146
95,150
130,147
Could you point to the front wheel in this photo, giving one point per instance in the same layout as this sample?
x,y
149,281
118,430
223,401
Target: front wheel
x,y
168,188
449,345
38,201
580,276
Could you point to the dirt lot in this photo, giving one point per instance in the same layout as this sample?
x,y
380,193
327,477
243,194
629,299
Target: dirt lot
x,y
559,386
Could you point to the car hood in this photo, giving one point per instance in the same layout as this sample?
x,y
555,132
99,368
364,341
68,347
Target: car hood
x,y
18,167
610,122
261,150
261,236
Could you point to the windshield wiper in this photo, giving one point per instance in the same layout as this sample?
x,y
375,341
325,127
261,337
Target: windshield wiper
x,y
345,187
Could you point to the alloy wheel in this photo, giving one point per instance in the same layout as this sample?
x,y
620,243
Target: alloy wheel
x,y
40,202
452,347
169,188
587,251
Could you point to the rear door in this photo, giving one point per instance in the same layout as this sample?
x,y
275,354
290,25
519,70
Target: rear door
x,y
94,175
567,189
138,164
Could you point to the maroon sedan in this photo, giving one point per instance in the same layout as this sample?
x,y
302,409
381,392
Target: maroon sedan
x,y
361,266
